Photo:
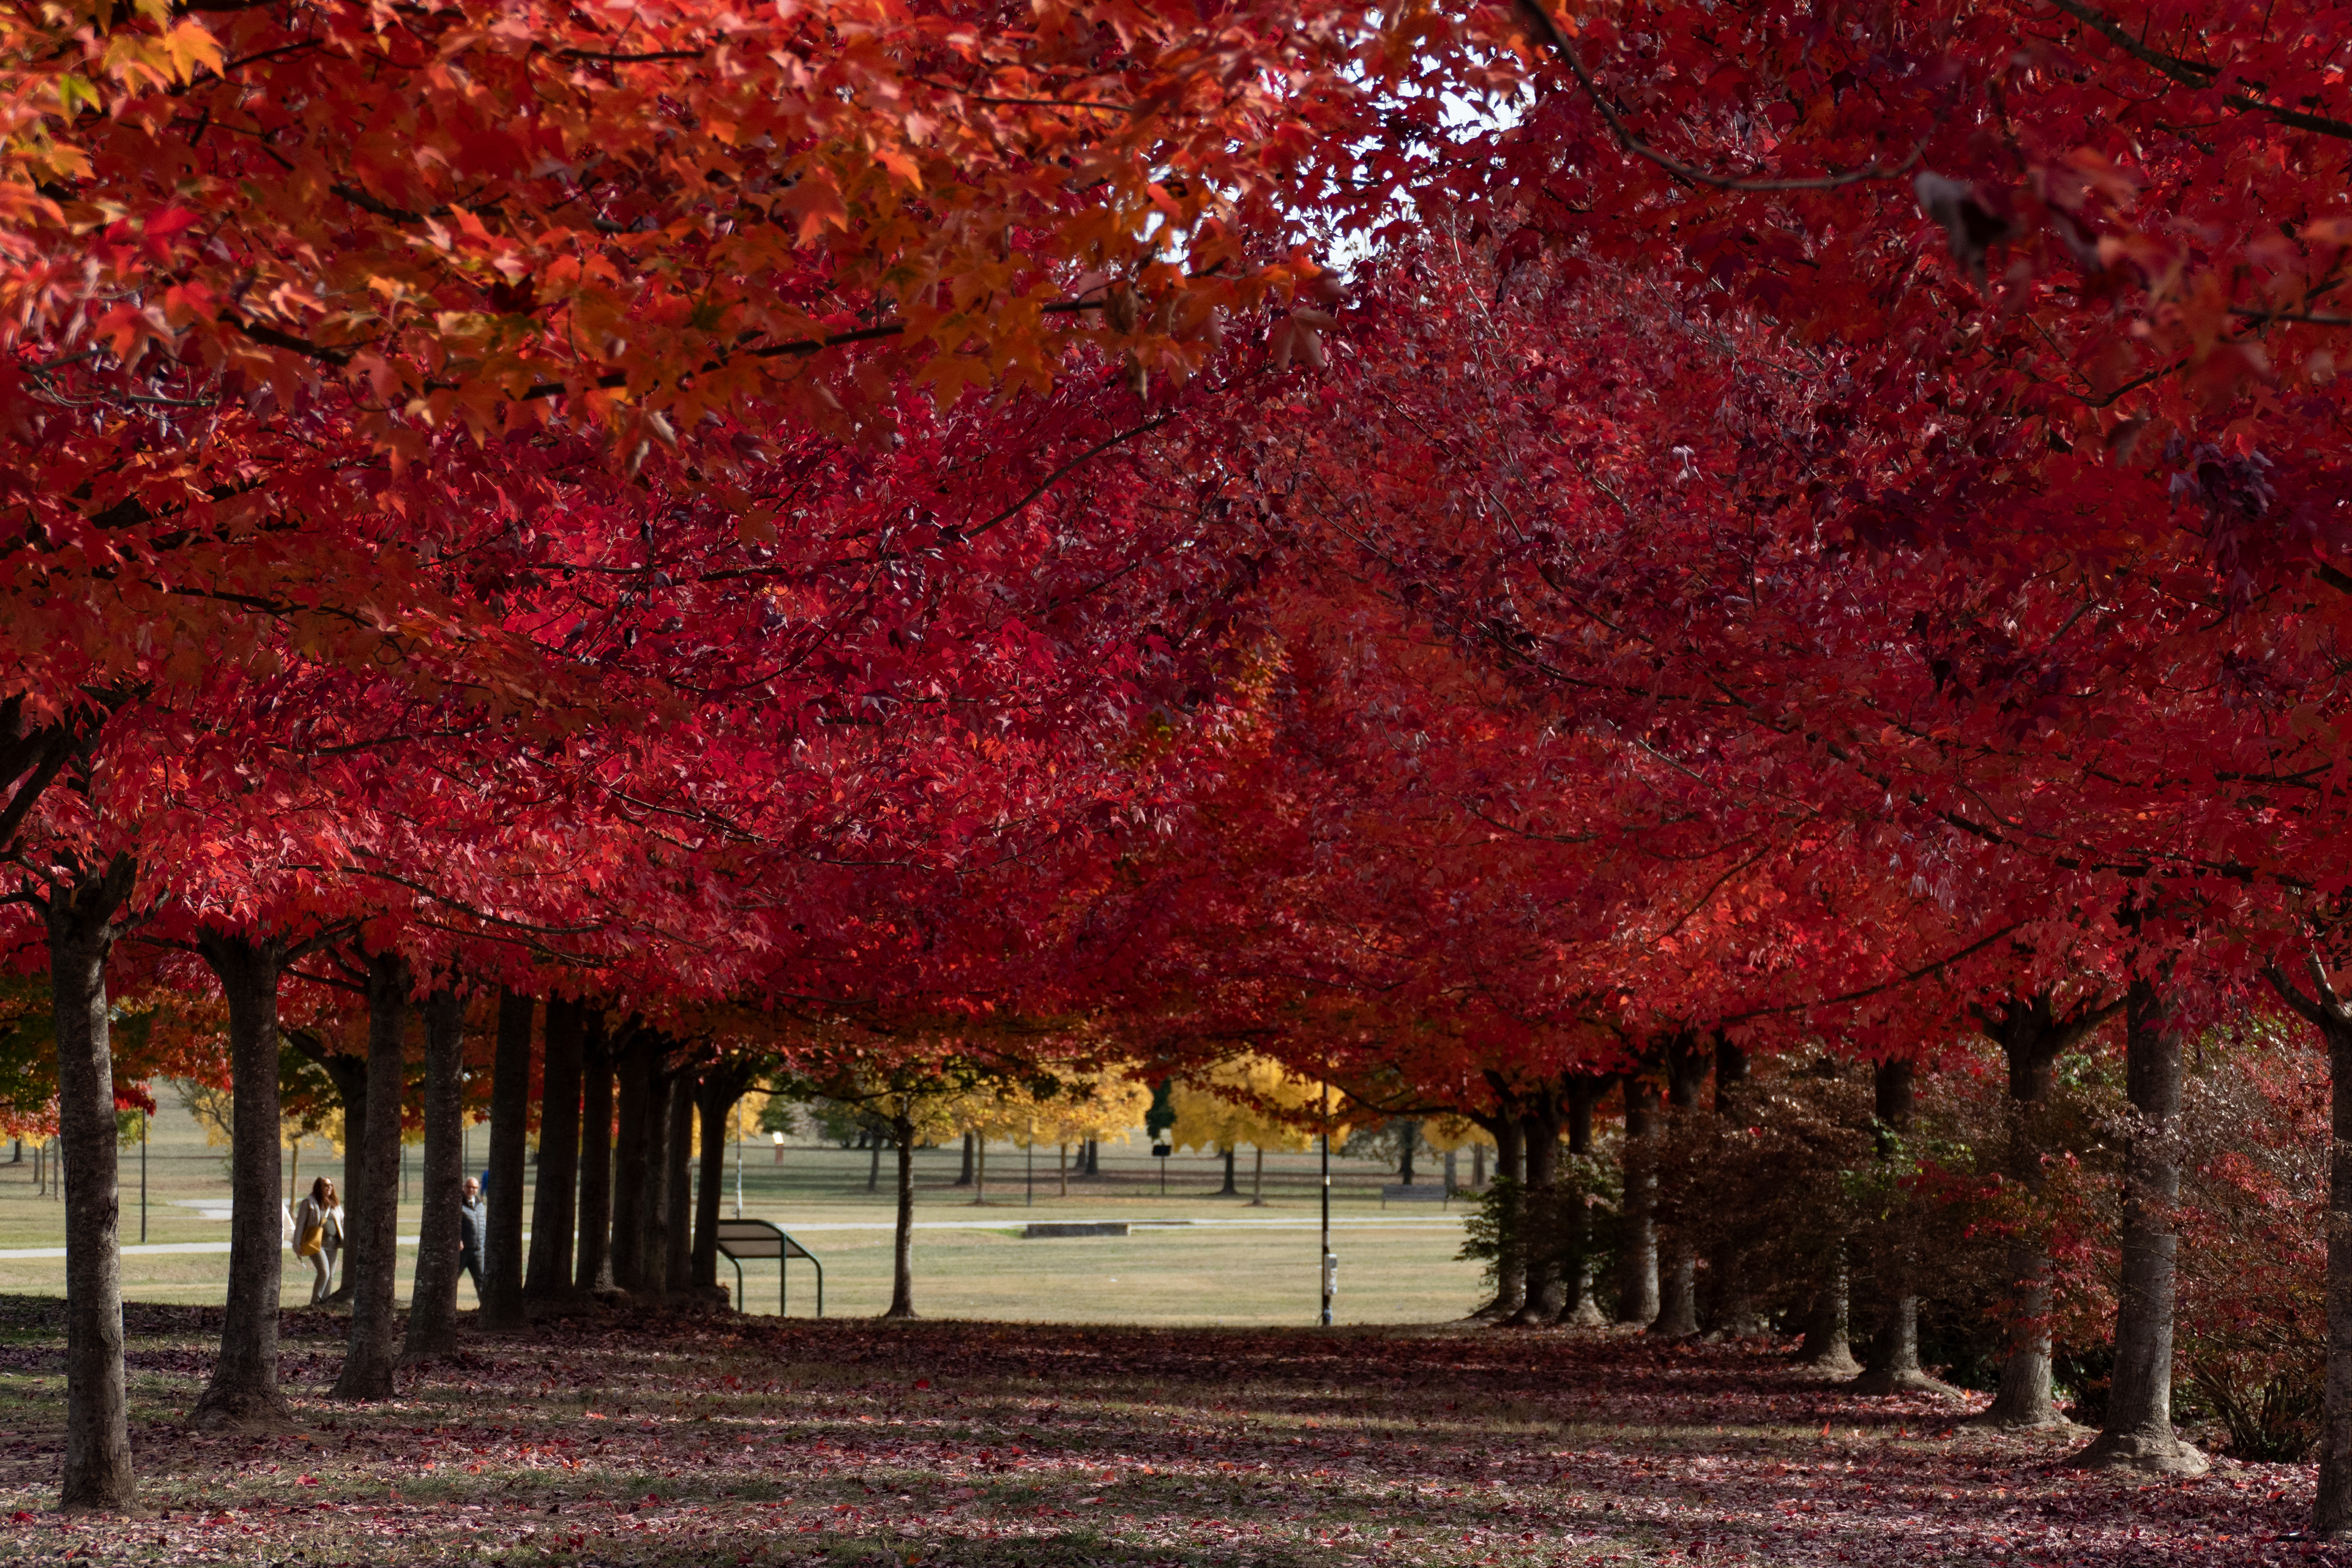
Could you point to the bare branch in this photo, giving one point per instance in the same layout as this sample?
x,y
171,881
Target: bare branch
x,y
1539,22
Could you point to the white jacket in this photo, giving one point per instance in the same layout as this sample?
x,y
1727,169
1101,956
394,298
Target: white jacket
x,y
310,1212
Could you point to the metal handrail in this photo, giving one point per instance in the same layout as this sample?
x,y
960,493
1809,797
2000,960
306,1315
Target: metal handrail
x,y
786,1249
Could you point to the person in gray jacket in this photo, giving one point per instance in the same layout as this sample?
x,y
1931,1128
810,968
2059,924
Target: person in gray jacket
x,y
469,1234
318,1234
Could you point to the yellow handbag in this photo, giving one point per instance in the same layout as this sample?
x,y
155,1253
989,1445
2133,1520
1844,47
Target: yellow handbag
x,y
312,1239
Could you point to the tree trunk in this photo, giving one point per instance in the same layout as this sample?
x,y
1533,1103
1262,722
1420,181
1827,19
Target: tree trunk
x,y
243,1393
678,1185
1637,1254
1730,1076
902,1247
1232,1187
963,1177
433,1300
2027,1034
1736,1314
503,1258
2326,1010
2331,1514
1580,1309
553,1214
652,1208
637,1080
1510,1235
594,1268
1892,1362
721,1088
2138,1433
874,1161
1677,1316
373,1214
1409,1136
1826,1347
82,932
1257,1179
1543,1296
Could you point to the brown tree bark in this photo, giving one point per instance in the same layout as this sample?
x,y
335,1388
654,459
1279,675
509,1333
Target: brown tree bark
x,y
242,1393
503,1259
902,1244
1734,1313
433,1299
1511,1261
1731,1075
721,1087
1891,1364
653,1209
636,1079
552,1211
1637,1257
1687,1067
594,1269
2031,1032
81,917
372,1214
1826,1346
2138,1434
1581,1308
677,1184
2328,1012
1543,1295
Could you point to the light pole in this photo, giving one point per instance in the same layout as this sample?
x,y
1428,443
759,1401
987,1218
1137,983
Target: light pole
x,y
739,1162
1330,1264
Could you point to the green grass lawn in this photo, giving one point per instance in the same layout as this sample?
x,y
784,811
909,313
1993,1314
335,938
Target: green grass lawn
x,y
1234,1264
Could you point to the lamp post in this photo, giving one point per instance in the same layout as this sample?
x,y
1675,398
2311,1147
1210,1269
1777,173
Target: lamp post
x,y
1330,1264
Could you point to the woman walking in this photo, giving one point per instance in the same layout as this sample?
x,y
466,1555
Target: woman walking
x,y
319,1234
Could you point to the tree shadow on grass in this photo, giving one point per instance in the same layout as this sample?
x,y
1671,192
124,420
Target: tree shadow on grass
x,y
1063,1549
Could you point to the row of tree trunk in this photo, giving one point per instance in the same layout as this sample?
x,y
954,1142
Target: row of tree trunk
x,y
1657,1266
637,1234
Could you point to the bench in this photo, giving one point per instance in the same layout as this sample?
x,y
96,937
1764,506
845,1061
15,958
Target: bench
x,y
1419,1192
756,1238
1049,1228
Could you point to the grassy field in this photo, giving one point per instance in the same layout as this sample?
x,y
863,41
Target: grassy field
x,y
610,1442
1230,1264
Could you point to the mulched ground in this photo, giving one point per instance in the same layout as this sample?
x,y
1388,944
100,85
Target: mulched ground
x,y
604,1440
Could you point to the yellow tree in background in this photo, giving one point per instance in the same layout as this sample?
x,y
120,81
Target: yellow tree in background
x,y
1248,1099
1068,1110
1446,1134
